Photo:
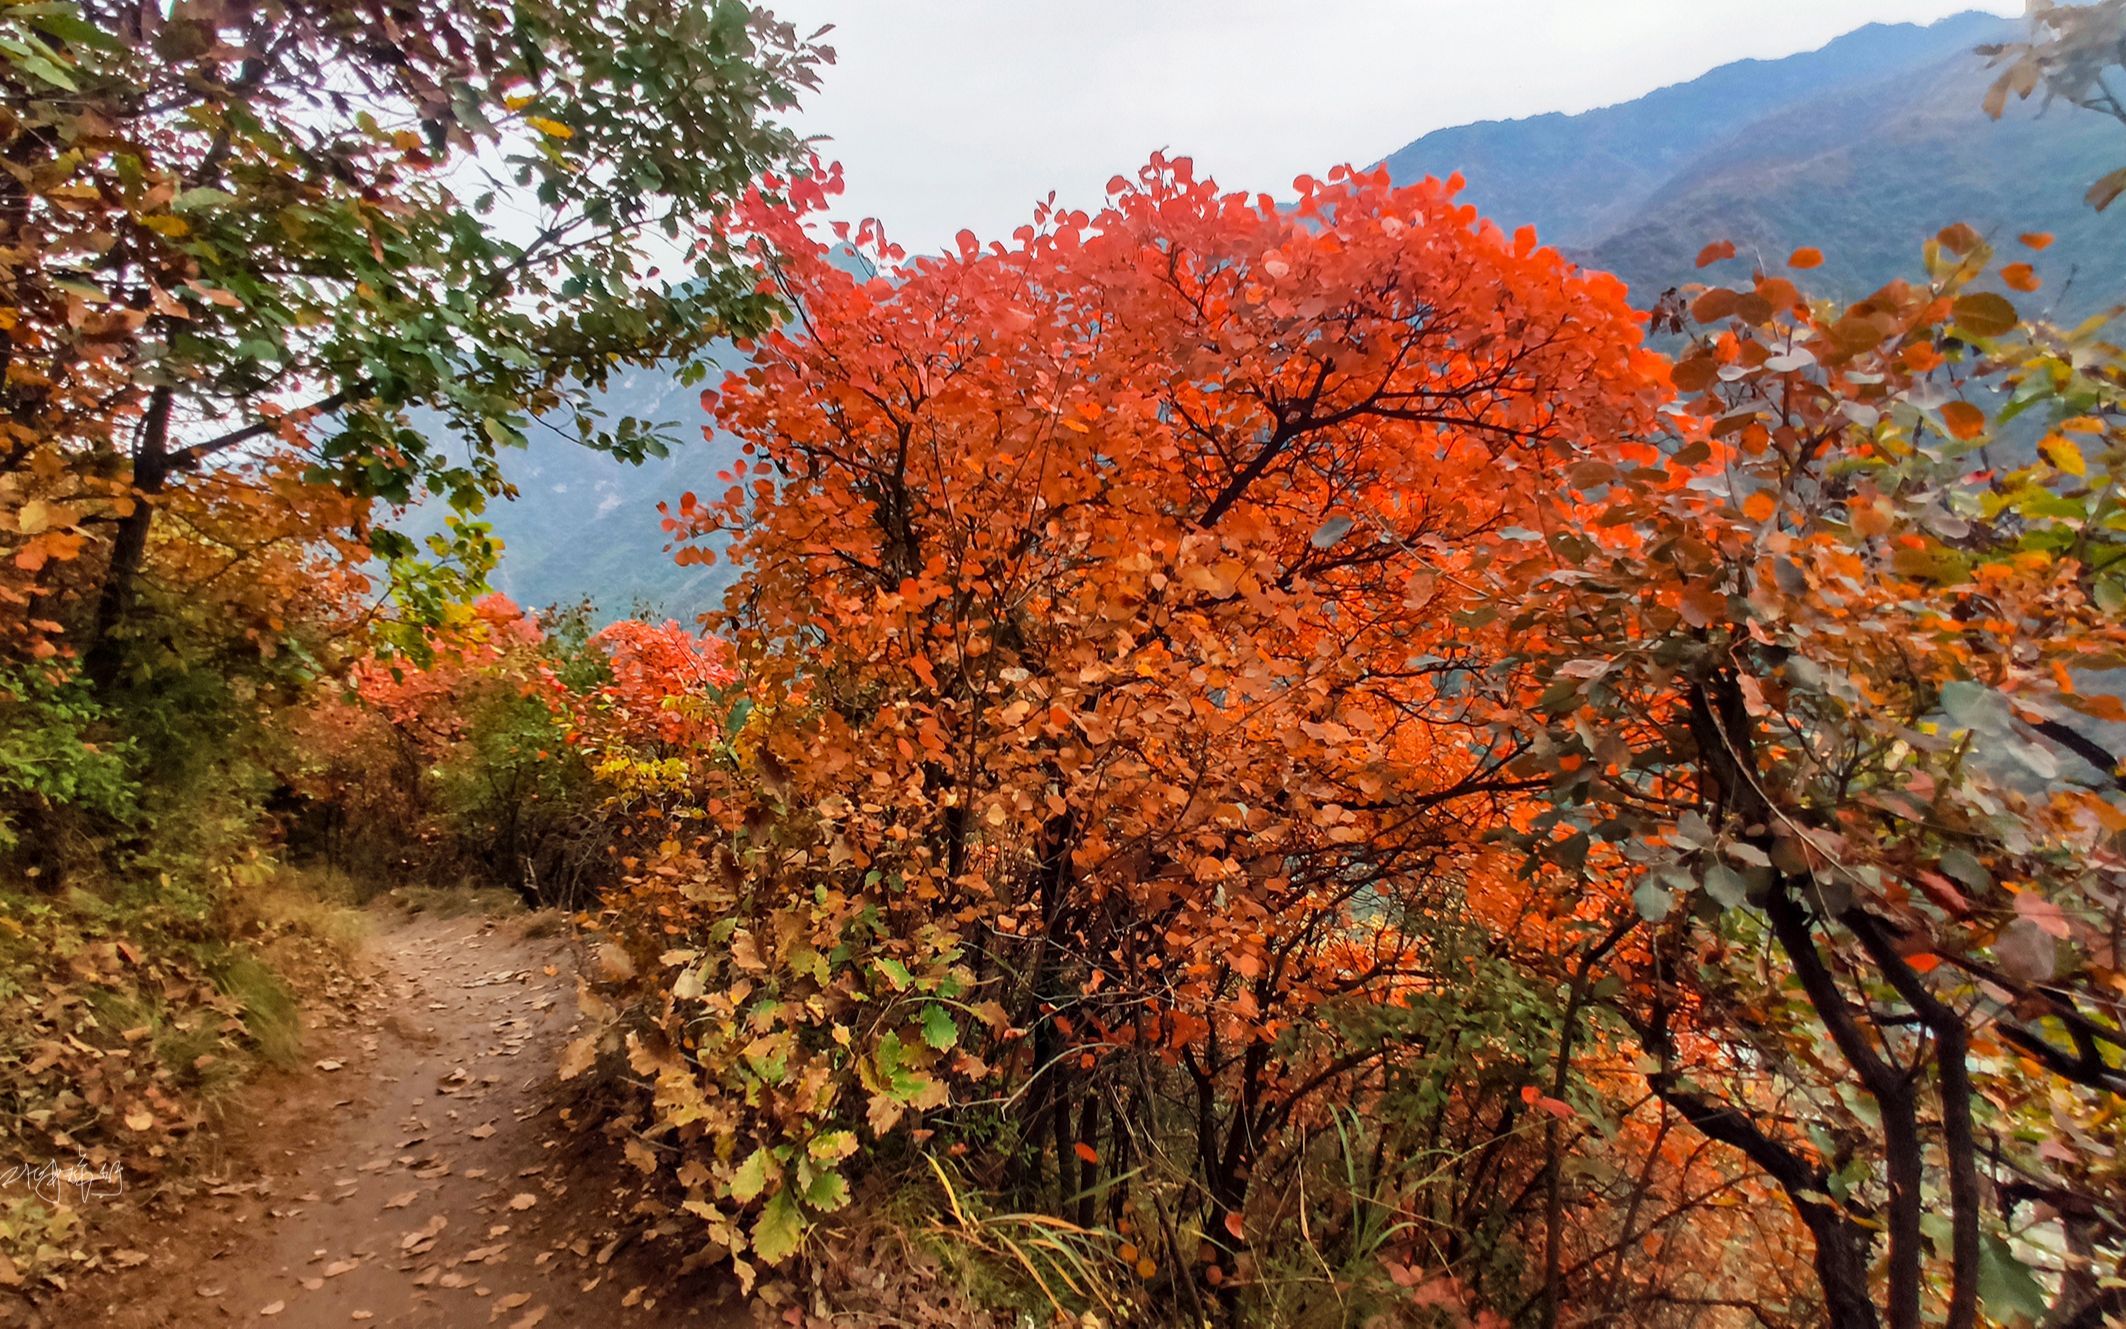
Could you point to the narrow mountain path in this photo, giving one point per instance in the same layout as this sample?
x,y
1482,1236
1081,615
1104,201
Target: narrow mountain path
x,y
420,1174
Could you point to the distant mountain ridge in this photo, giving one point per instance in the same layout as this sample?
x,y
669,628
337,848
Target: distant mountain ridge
x,y
1862,148
1577,178
584,526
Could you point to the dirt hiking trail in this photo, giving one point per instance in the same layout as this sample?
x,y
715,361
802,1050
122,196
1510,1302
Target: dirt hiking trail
x,y
420,1174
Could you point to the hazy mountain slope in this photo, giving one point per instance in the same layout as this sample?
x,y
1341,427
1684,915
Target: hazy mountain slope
x,y
584,525
1869,173
1579,177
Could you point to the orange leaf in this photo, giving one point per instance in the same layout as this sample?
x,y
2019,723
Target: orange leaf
x,y
1087,1153
1868,518
1964,420
1716,251
2035,239
2021,277
1234,1225
1703,605
1960,238
1760,505
1807,256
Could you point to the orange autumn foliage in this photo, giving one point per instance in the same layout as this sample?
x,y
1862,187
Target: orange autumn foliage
x,y
1103,753
1216,686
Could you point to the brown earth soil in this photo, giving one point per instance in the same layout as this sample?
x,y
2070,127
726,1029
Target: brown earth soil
x,y
421,1173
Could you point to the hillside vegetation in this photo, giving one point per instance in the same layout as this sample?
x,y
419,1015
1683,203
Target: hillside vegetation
x,y
1262,762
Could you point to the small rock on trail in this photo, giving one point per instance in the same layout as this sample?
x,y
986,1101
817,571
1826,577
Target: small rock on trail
x,y
416,1174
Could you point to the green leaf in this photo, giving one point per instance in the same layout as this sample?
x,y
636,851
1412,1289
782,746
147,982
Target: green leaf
x,y
896,973
751,1178
48,71
1725,885
829,1191
1966,868
938,1029
74,30
780,1231
2006,1288
191,200
1653,898
1974,706
896,1079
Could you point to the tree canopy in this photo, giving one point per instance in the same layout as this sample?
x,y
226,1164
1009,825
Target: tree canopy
x,y
234,228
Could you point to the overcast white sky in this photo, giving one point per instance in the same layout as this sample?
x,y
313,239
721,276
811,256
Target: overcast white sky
x,y
952,113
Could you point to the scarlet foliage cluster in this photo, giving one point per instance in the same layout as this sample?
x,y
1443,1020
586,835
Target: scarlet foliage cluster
x,y
657,668
1090,582
514,747
1242,700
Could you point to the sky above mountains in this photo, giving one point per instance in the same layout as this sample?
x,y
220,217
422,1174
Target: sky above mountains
x,y
952,113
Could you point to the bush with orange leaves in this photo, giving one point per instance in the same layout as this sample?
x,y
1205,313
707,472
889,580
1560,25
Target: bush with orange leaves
x,y
1107,807
519,747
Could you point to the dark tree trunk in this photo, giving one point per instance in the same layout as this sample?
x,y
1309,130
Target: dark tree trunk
x,y
106,657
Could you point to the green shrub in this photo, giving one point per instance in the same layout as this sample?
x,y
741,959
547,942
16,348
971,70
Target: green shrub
x,y
51,762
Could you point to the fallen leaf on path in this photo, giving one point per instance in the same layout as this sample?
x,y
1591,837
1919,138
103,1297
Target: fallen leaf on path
x,y
482,1131
523,1200
529,1318
338,1267
328,1064
425,1235
273,1308
401,1200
